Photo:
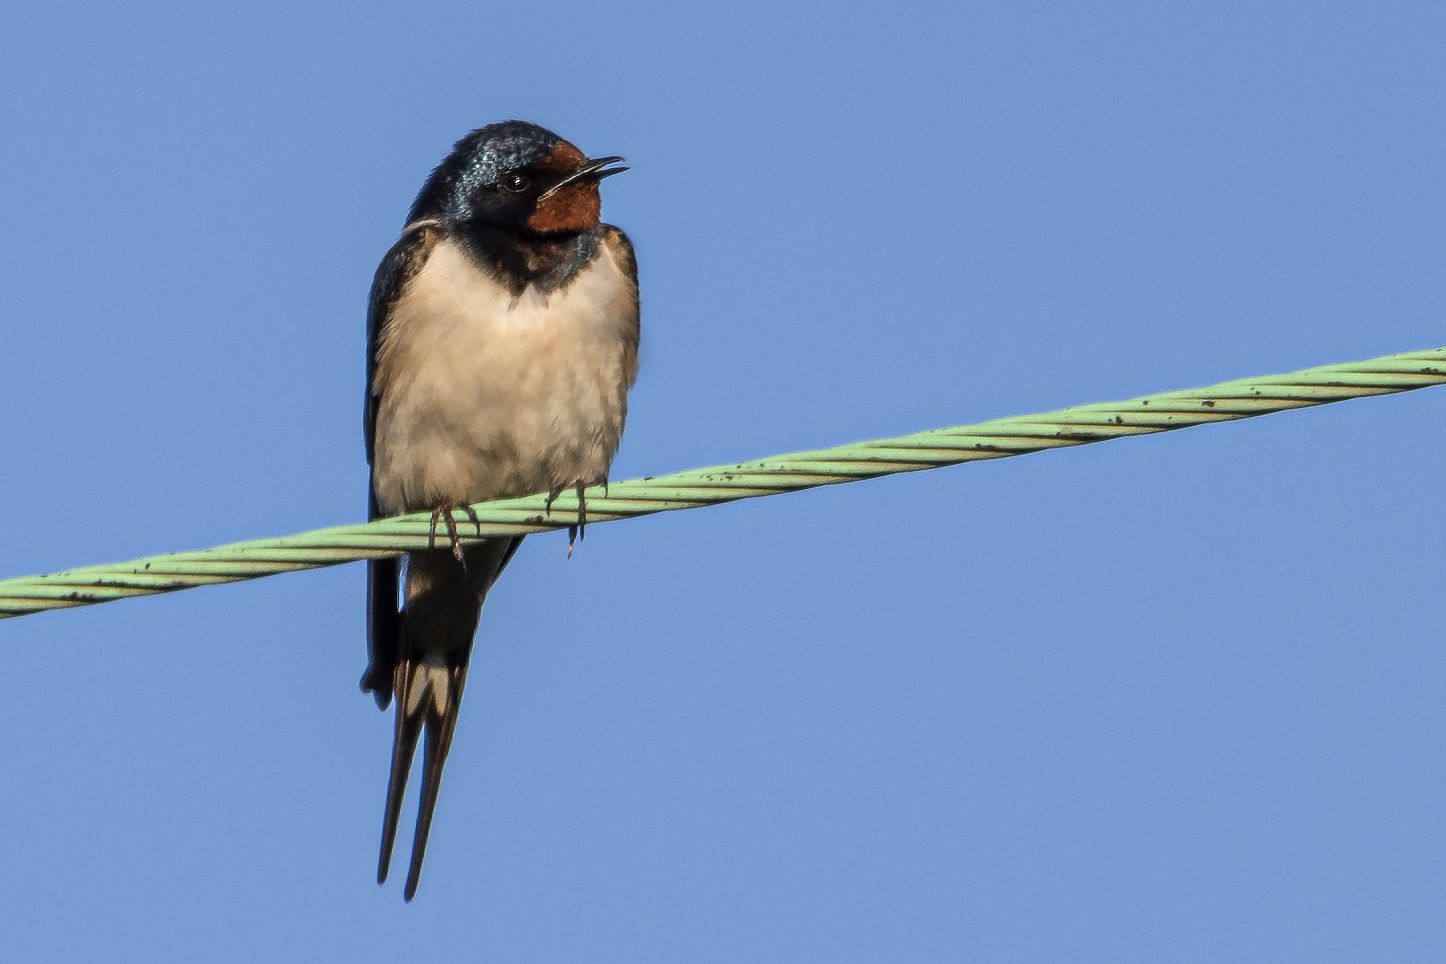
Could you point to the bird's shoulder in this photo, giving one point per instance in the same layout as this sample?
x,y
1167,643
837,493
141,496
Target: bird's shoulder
x,y
402,262
613,241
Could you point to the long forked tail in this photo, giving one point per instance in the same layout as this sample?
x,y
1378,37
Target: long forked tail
x,y
439,740
433,645
404,745
429,696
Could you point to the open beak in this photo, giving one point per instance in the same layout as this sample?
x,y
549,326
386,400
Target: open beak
x,y
593,169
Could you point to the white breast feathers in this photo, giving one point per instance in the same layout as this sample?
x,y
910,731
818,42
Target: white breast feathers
x,y
486,395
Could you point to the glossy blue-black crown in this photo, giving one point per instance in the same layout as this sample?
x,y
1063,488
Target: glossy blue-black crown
x,y
477,161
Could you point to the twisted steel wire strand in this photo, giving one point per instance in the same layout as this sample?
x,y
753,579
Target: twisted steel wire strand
x,y
999,438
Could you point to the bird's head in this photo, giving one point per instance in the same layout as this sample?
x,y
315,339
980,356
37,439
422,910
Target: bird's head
x,y
517,177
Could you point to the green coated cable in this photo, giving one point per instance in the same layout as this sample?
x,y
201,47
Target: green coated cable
x,y
999,438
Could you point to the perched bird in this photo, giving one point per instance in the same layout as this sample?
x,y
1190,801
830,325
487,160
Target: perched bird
x,y
502,339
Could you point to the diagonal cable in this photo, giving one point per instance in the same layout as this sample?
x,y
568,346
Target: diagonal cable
x,y
995,439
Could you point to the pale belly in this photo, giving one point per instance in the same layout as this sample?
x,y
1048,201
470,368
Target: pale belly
x,y
486,396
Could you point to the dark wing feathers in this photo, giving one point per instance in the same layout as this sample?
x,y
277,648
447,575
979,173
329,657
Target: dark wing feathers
x,y
622,250
399,266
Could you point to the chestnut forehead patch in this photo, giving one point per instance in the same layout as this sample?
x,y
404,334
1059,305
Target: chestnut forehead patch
x,y
562,159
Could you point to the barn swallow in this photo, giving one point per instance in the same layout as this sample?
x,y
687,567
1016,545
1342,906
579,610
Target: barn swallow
x,y
502,339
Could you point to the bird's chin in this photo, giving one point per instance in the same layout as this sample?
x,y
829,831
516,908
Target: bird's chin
x,y
572,210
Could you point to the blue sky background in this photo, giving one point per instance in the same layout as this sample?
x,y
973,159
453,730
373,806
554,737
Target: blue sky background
x,y
1179,698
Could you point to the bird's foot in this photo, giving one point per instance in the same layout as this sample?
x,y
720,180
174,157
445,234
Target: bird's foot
x,y
577,531
444,512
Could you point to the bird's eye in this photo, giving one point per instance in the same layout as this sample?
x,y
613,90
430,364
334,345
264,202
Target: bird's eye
x,y
516,183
